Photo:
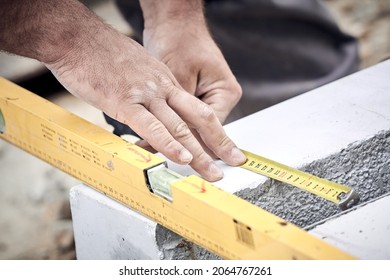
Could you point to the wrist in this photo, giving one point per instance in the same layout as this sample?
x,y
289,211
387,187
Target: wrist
x,y
172,12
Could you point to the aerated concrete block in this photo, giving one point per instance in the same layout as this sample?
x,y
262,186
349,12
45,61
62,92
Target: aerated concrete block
x,y
105,229
340,131
363,232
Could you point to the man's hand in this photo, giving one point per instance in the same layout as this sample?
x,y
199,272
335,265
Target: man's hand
x,y
116,75
176,34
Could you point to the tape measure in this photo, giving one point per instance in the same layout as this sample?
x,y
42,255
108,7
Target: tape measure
x,y
343,196
190,206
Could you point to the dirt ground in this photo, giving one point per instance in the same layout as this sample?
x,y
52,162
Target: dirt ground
x,y
35,219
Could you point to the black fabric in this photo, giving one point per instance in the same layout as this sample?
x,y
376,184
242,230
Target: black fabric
x,y
119,128
277,49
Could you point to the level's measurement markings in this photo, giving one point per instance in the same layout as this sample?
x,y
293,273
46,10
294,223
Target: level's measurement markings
x,y
336,193
244,233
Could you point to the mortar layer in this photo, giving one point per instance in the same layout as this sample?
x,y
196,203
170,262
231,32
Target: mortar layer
x,y
362,166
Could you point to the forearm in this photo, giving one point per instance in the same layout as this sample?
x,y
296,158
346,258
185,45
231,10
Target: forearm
x,y
167,11
44,29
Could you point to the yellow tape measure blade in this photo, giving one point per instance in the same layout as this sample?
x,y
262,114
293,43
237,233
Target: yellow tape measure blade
x,y
341,195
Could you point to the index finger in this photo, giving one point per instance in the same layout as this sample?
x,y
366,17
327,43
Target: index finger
x,y
201,117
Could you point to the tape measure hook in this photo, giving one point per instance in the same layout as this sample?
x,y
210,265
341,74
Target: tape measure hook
x,y
349,199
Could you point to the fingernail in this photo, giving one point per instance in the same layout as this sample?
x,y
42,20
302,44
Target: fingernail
x,y
238,156
215,172
185,156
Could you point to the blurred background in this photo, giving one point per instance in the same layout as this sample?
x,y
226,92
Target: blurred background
x,y
35,218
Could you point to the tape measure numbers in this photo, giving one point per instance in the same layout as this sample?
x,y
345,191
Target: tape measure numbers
x,y
343,196
219,221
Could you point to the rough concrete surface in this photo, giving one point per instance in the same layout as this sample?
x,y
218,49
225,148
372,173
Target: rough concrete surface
x,y
362,166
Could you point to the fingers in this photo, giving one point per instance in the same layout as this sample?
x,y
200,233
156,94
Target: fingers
x,y
205,148
202,118
202,161
167,133
145,145
155,133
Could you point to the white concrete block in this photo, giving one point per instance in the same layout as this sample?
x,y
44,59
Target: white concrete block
x,y
105,229
363,232
340,131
